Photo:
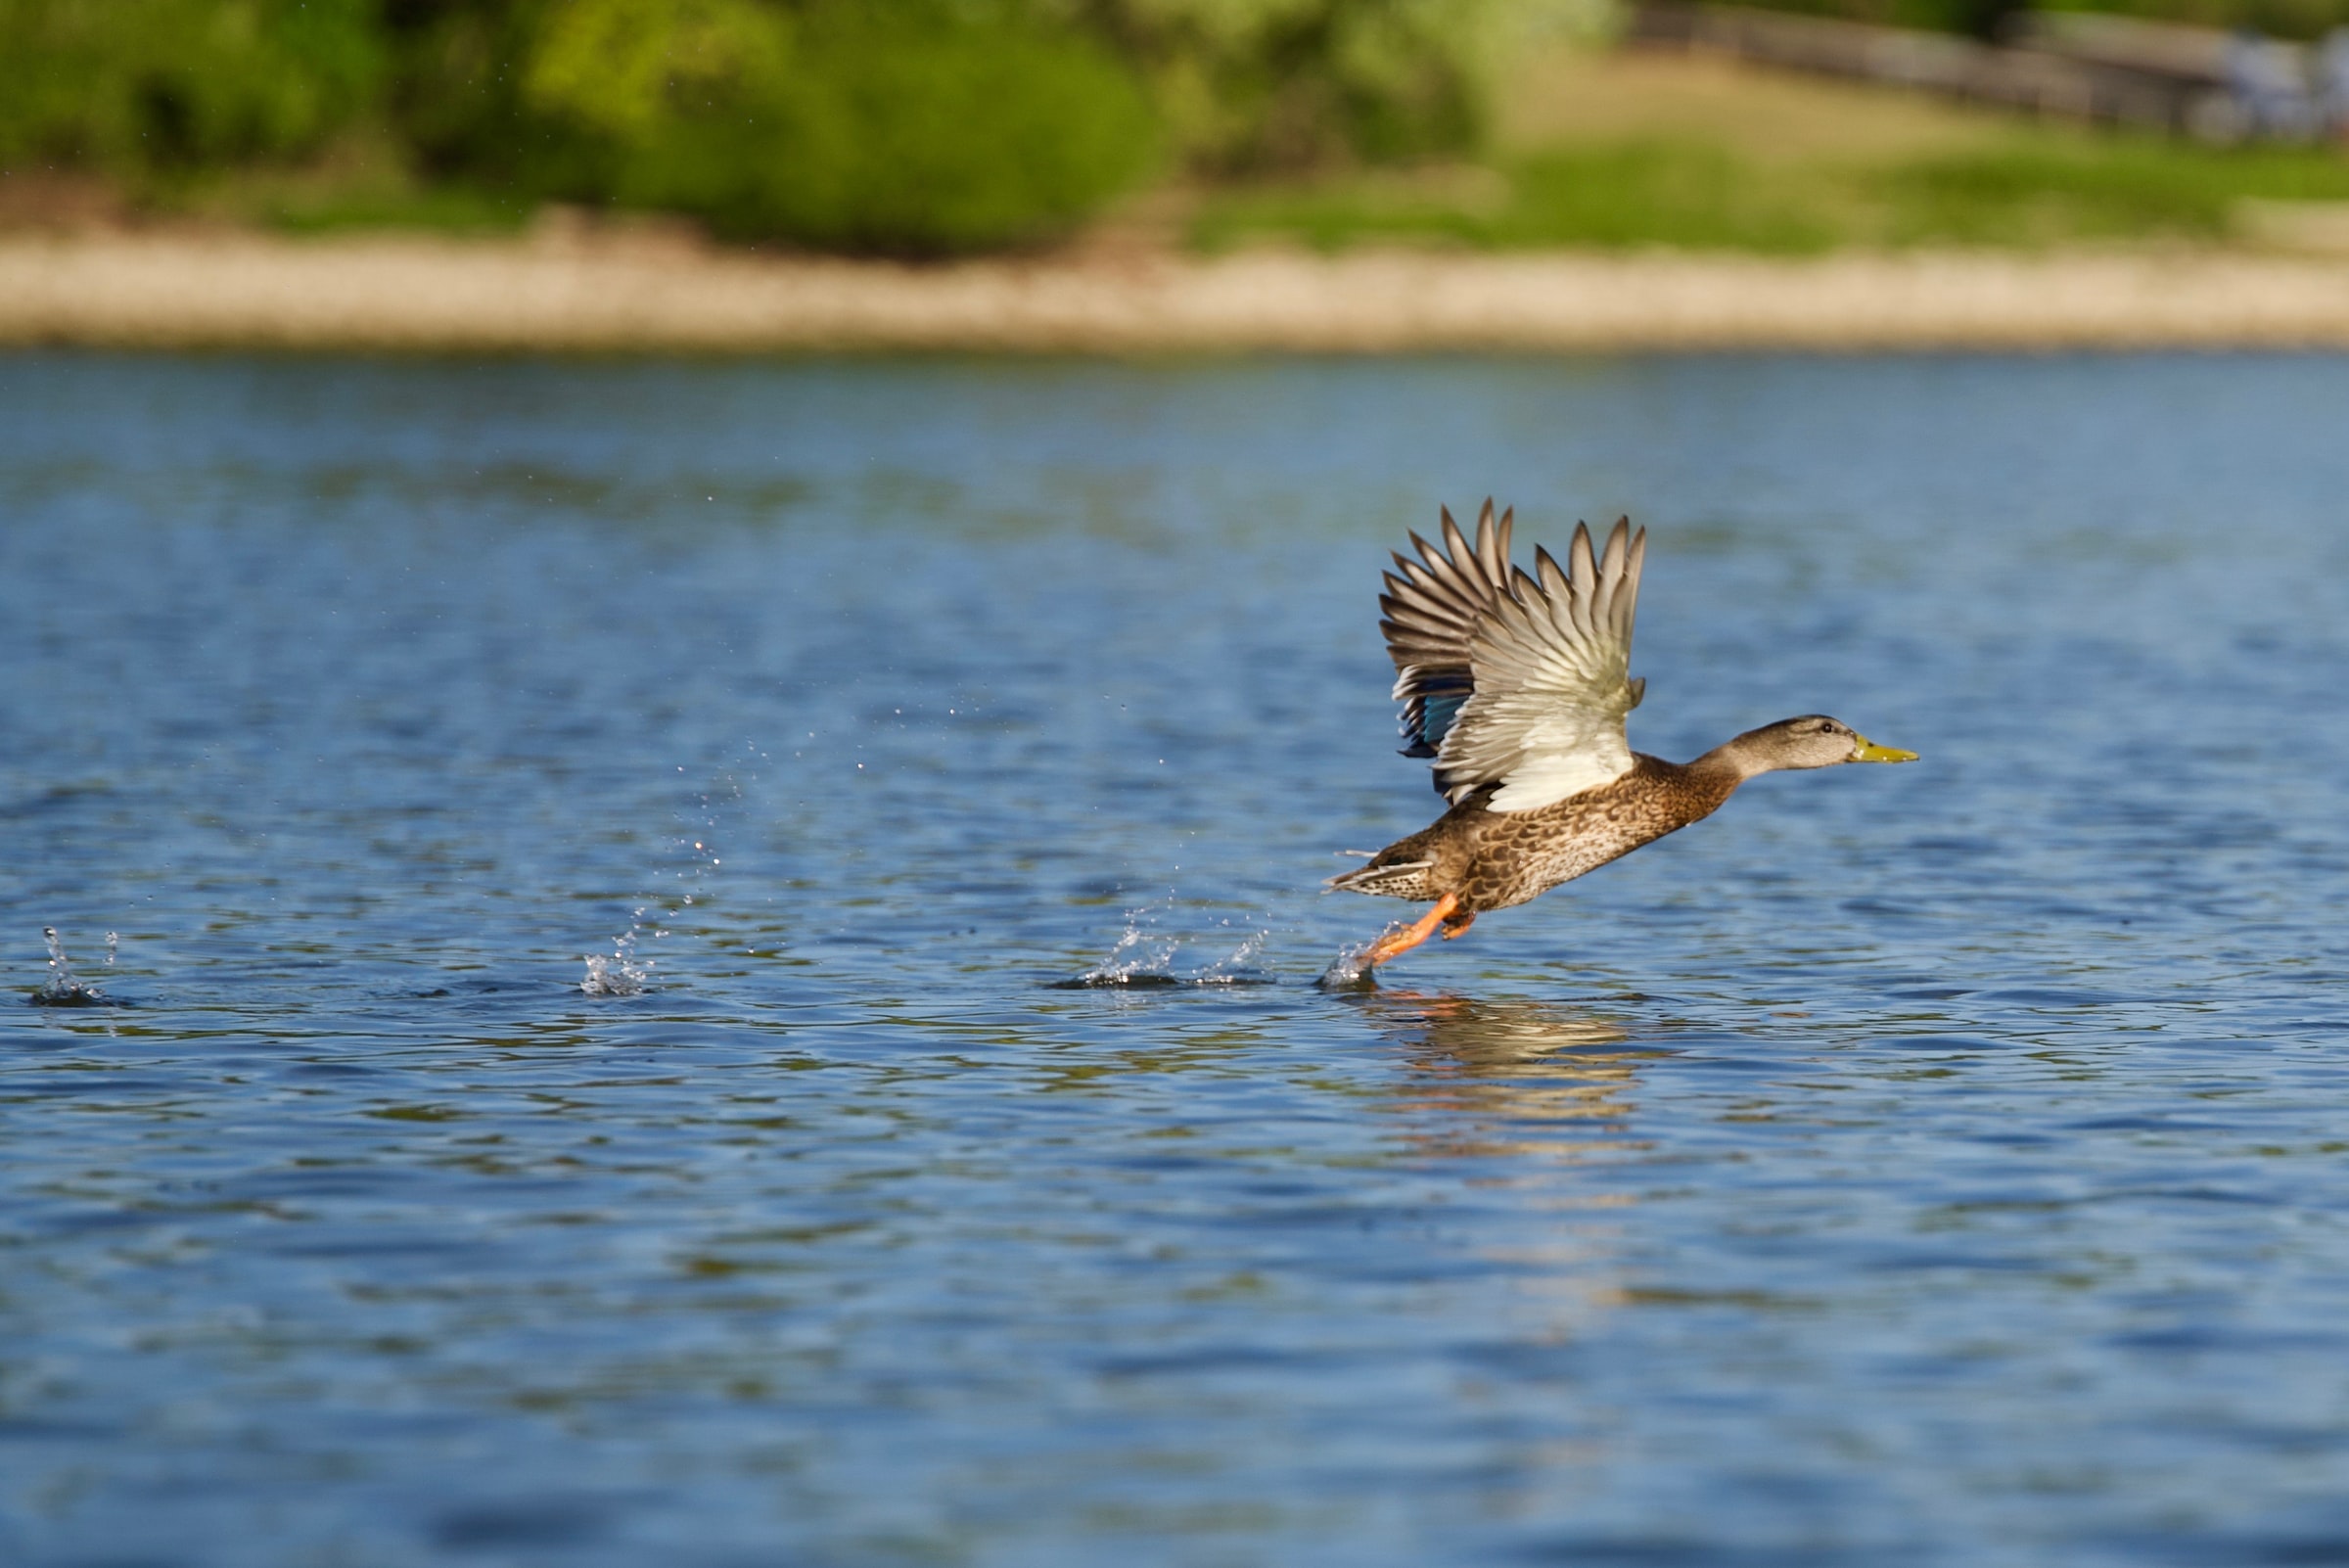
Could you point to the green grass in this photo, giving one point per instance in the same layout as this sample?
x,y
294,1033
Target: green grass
x,y
2033,187
2112,188
1646,193
436,208
361,184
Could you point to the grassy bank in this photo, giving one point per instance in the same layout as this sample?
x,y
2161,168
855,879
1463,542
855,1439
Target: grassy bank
x,y
1631,152
1588,151
2032,191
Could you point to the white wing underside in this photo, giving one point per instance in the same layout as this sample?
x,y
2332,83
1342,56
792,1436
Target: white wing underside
x,y
1551,659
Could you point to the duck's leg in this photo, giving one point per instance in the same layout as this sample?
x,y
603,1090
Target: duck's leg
x,y
1458,925
1417,932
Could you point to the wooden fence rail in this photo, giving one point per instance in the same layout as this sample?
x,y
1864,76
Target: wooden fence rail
x,y
2109,69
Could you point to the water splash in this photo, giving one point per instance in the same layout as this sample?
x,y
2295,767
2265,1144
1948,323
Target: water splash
x,y
65,989
1238,967
698,842
623,972
1145,957
1142,956
620,973
1351,969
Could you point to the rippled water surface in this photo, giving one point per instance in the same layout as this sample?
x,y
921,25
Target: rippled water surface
x,y
1946,1163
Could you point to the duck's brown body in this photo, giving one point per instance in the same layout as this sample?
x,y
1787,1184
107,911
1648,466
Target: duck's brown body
x,y
1488,860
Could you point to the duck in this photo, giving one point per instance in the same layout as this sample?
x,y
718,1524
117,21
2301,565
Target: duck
x,y
1515,686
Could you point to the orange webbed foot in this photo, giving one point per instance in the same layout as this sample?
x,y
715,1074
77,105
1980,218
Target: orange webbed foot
x,y
1417,932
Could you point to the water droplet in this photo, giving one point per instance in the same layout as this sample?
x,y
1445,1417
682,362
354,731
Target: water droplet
x,y
63,987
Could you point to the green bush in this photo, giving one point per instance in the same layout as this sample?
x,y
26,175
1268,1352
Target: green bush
x,y
905,129
1980,17
1234,85
146,86
1252,86
909,127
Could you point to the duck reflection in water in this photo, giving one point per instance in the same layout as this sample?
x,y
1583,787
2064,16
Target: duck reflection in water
x,y
1511,1075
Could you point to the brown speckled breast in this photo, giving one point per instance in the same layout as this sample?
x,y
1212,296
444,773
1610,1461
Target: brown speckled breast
x,y
1494,860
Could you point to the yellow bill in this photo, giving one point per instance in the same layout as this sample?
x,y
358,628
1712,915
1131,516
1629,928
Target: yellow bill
x,y
1864,750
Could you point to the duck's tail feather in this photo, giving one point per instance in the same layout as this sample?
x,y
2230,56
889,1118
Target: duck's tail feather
x,y
1394,879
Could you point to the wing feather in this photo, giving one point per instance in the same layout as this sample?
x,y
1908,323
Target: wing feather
x,y
1432,606
1514,678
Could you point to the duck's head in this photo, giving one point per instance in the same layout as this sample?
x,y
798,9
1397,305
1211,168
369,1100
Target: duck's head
x,y
1811,741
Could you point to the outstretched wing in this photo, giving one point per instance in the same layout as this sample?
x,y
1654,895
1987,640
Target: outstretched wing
x,y
1513,679
1432,611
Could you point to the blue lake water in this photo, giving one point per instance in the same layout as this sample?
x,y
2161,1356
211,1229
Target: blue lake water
x,y
1946,1163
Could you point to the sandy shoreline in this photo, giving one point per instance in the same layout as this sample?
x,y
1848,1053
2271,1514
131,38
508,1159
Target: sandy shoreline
x,y
617,294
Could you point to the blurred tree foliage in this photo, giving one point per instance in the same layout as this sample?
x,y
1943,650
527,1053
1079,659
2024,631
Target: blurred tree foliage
x,y
1258,86
907,127
1979,17
915,126
131,85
